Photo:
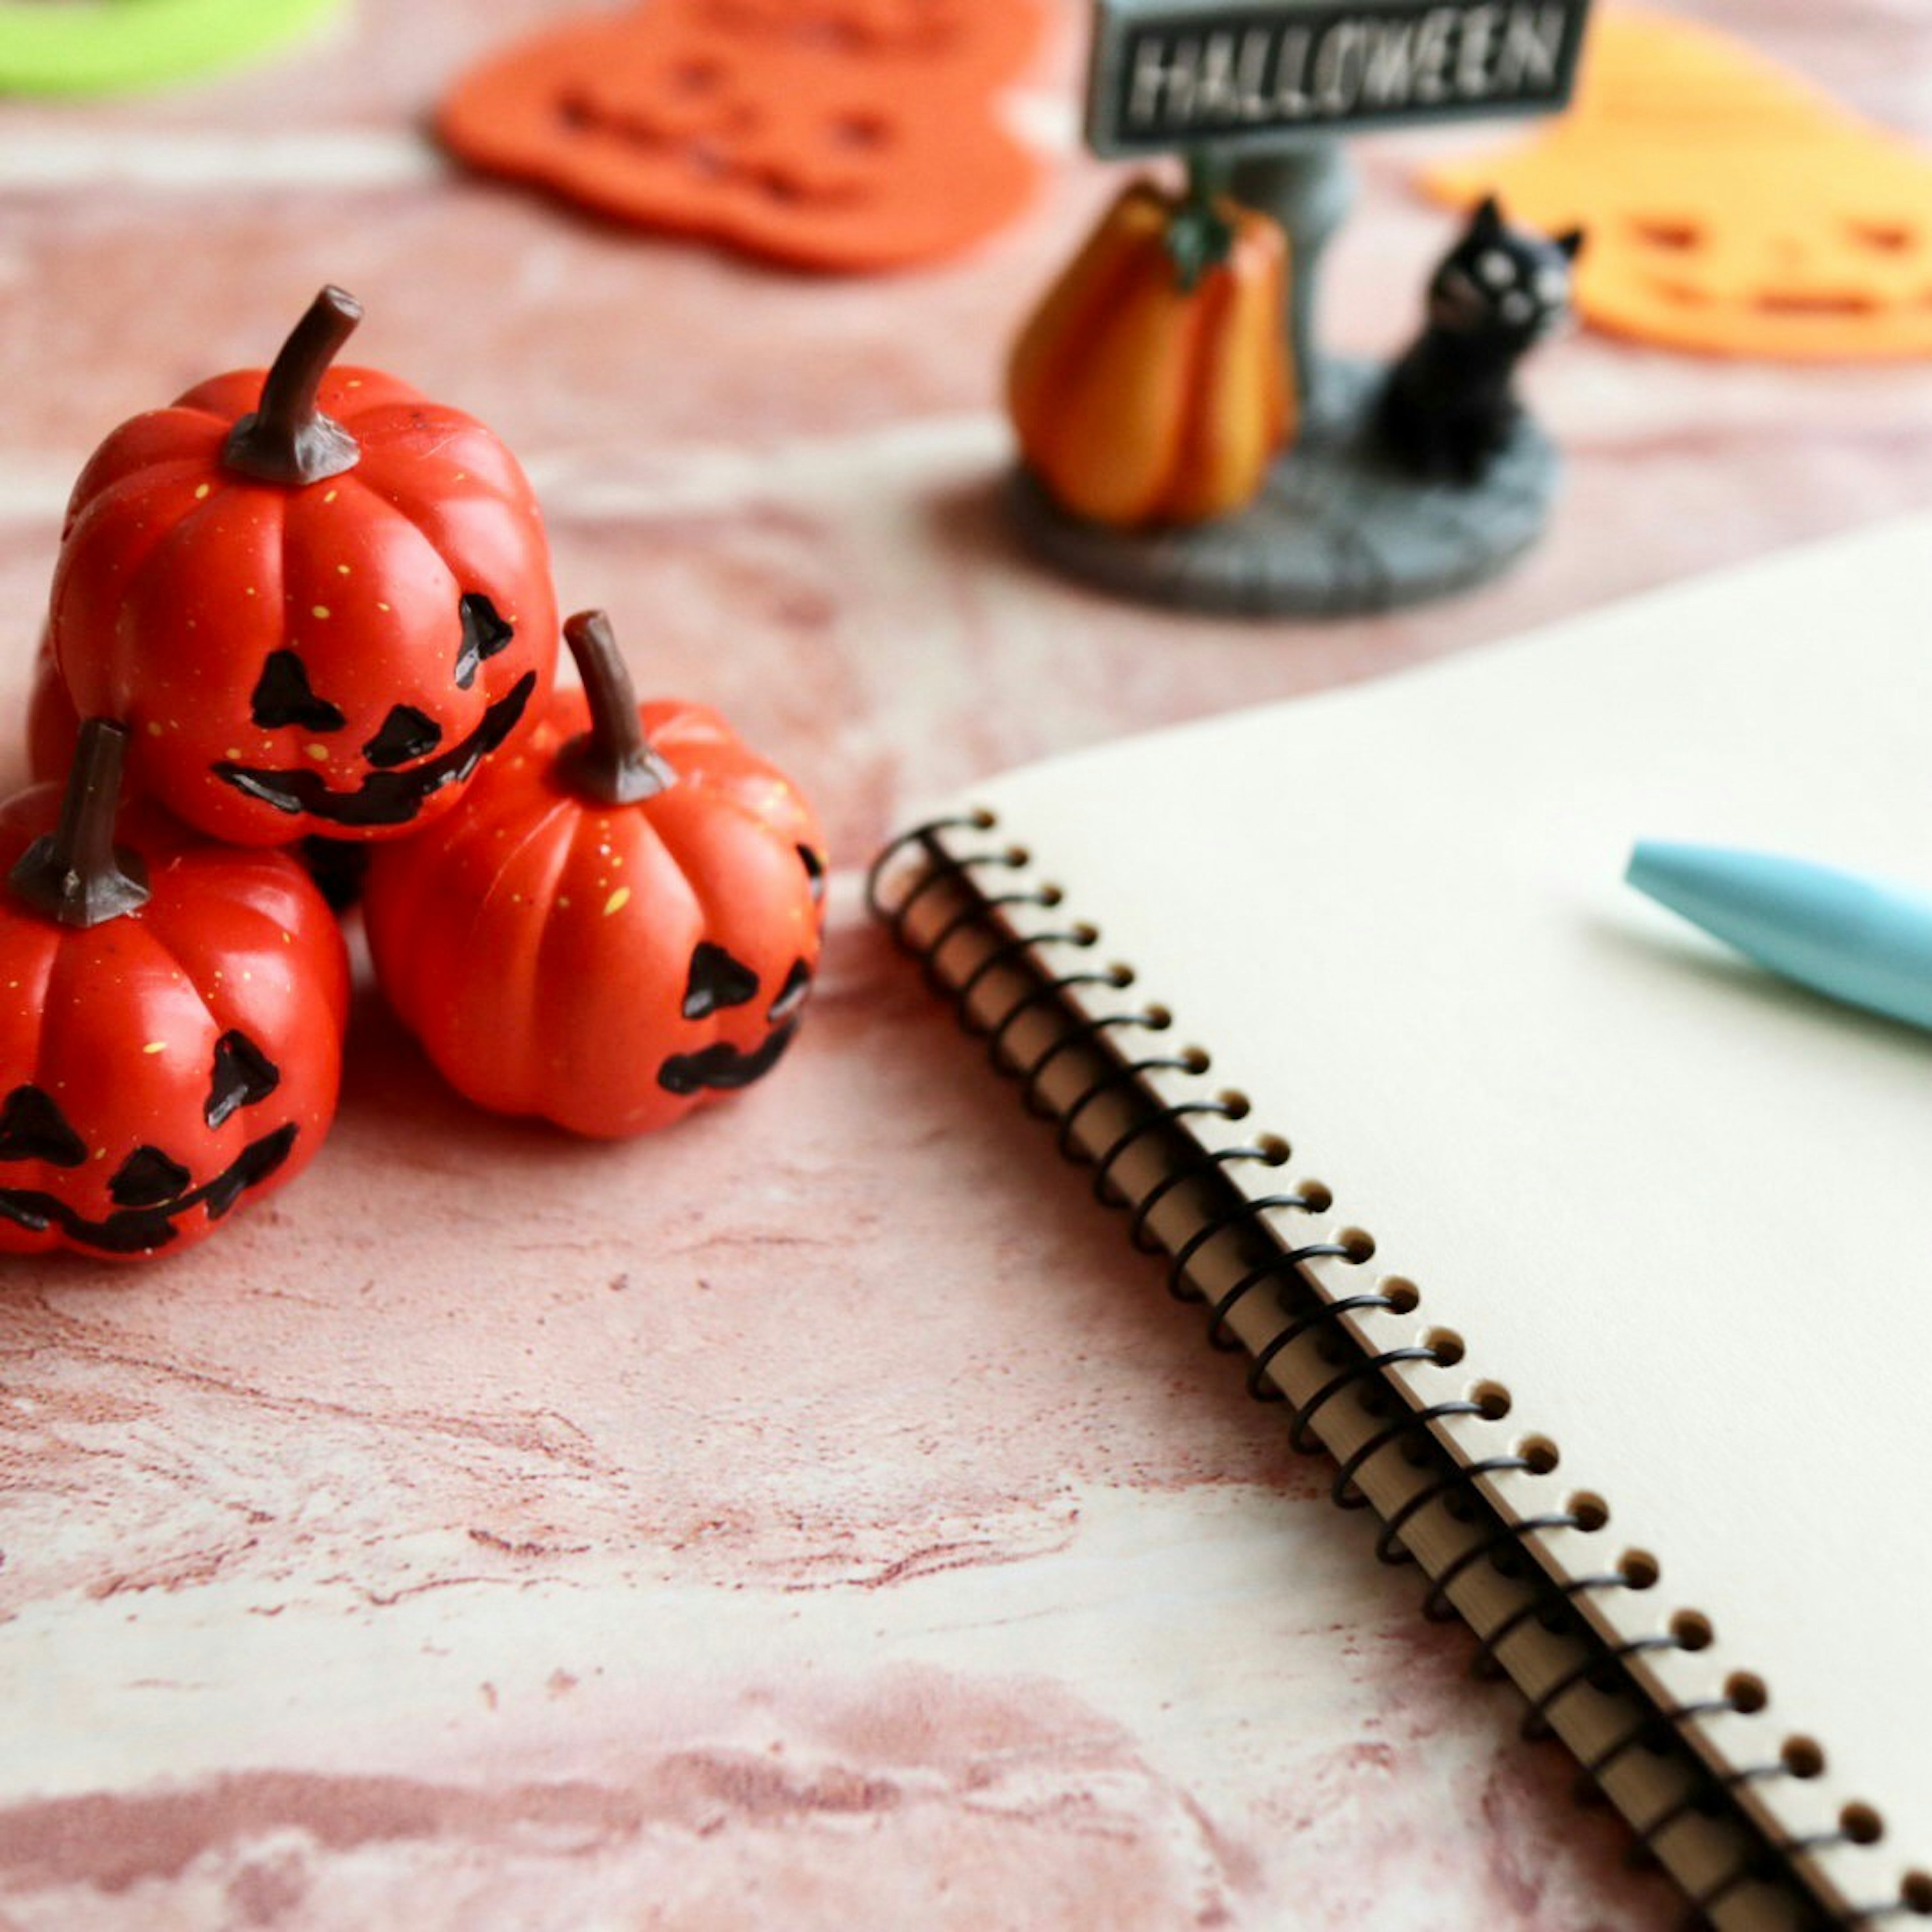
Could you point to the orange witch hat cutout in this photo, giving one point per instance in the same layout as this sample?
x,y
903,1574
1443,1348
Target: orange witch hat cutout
x,y
839,135
1732,208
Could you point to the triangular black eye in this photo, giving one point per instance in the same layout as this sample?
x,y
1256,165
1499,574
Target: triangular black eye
x,y
147,1178
243,1074
791,994
32,1127
283,696
717,980
815,870
407,733
484,634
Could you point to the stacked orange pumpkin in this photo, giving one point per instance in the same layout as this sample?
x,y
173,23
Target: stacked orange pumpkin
x,y
1152,386
305,605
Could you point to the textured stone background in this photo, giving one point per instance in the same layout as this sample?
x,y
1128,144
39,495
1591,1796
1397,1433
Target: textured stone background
x,y
815,1517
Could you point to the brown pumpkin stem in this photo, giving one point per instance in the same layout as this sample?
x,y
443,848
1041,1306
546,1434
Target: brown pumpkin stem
x,y
1199,237
74,875
613,761
288,439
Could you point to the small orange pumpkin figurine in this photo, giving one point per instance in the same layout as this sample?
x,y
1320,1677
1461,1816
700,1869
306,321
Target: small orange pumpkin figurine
x,y
1152,386
623,922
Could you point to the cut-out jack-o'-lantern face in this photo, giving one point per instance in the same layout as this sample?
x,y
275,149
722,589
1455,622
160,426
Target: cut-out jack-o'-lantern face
x,y
837,134
1731,207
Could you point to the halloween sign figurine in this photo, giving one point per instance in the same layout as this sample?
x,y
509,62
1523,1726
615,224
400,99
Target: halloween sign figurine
x,y
1449,407
843,135
1182,438
623,922
173,1048
318,602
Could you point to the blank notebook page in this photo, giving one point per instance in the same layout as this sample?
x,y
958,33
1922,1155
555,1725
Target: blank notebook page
x,y
1681,1210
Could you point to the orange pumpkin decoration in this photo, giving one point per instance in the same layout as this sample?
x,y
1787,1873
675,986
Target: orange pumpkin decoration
x,y
1732,208
843,135
623,923
1152,386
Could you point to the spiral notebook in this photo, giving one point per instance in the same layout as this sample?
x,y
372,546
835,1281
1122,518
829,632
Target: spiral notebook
x,y
1592,1254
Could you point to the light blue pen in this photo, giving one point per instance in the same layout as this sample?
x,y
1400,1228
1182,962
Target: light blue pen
x,y
1866,941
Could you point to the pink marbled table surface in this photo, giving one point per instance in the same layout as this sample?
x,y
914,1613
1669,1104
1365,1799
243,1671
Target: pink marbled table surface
x,y
817,1516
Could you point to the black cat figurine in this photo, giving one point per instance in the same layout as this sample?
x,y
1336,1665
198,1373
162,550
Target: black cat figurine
x,y
1448,405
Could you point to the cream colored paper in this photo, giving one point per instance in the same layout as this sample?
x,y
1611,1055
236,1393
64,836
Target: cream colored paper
x,y
1681,1211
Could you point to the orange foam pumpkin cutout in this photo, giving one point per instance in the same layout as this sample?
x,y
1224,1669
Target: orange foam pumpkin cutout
x,y
1732,207
1144,394
837,135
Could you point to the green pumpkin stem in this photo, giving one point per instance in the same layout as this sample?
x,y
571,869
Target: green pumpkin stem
x,y
612,762
1199,237
288,439
74,875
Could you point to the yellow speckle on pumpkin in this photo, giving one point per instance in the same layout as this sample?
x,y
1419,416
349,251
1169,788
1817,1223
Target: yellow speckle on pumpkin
x,y
154,728
320,753
330,498
563,901
233,752
617,901
381,607
155,1046
201,490
248,590
318,611
342,570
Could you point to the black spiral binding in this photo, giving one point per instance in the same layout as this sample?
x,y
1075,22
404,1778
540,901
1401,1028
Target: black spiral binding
x,y
1413,1433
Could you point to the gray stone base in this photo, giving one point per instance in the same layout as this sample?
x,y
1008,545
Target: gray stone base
x,y
1337,528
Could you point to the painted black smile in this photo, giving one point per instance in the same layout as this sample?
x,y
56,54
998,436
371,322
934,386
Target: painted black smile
x,y
384,798
721,1068
137,1231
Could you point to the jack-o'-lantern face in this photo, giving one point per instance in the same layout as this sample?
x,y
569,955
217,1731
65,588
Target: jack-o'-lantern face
x,y
840,133
1731,207
1776,280
337,765
135,1199
746,1014
710,114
